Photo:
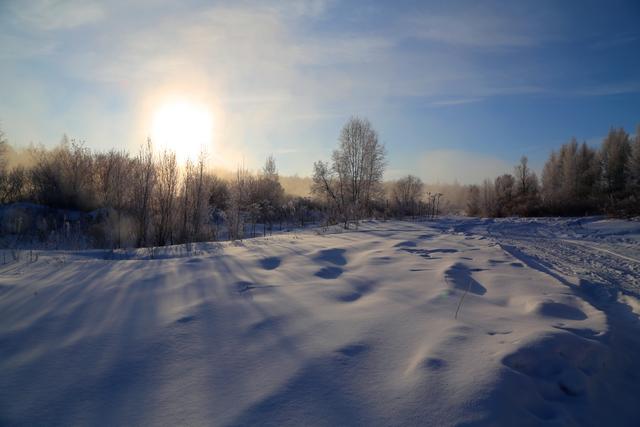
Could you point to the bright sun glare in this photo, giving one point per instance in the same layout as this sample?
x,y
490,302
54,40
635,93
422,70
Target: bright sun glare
x,y
183,127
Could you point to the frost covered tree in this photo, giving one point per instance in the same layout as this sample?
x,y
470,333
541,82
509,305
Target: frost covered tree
x,y
270,193
114,186
570,179
3,166
526,181
13,184
587,174
63,177
239,203
633,169
199,214
526,194
330,190
165,196
354,177
504,192
488,198
473,201
13,180
407,193
144,179
4,149
186,201
614,154
218,201
359,162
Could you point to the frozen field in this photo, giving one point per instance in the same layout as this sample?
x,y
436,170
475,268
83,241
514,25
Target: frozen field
x,y
353,328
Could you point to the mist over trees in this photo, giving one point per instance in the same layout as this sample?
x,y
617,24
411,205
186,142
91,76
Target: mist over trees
x,y
576,180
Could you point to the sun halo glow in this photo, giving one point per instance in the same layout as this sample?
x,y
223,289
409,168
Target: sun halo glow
x,y
183,127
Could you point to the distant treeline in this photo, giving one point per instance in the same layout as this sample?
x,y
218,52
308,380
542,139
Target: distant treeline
x,y
576,180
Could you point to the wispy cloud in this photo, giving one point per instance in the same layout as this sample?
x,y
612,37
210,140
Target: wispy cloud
x,y
486,25
617,40
15,47
488,31
454,102
609,89
46,15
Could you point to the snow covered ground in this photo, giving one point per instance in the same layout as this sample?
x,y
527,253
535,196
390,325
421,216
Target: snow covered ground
x,y
353,328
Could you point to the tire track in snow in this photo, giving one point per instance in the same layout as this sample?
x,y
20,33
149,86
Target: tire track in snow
x,y
578,258
586,245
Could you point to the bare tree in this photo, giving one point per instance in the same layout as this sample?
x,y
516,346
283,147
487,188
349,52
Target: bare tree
x,y
144,182
406,194
13,184
4,178
331,190
165,189
356,171
570,179
488,198
524,177
633,169
199,214
4,148
473,201
615,151
270,193
218,201
113,169
239,197
186,201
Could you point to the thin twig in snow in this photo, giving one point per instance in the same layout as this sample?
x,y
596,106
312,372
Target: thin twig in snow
x,y
462,297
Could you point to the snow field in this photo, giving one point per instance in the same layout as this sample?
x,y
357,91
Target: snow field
x,y
337,329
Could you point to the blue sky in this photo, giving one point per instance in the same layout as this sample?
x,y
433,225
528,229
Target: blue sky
x,y
457,91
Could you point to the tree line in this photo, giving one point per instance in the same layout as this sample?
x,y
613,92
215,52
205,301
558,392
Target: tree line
x,y
576,180
113,199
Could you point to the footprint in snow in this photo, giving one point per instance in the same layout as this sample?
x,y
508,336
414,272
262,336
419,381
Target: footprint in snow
x,y
270,263
434,363
329,273
333,256
352,350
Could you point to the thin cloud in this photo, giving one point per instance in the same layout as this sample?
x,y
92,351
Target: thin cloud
x,y
486,25
619,40
48,15
477,31
609,89
454,102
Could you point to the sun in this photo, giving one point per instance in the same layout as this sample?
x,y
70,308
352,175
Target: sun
x,y
183,127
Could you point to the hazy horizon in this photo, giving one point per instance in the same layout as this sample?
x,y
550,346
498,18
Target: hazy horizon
x,y
456,93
